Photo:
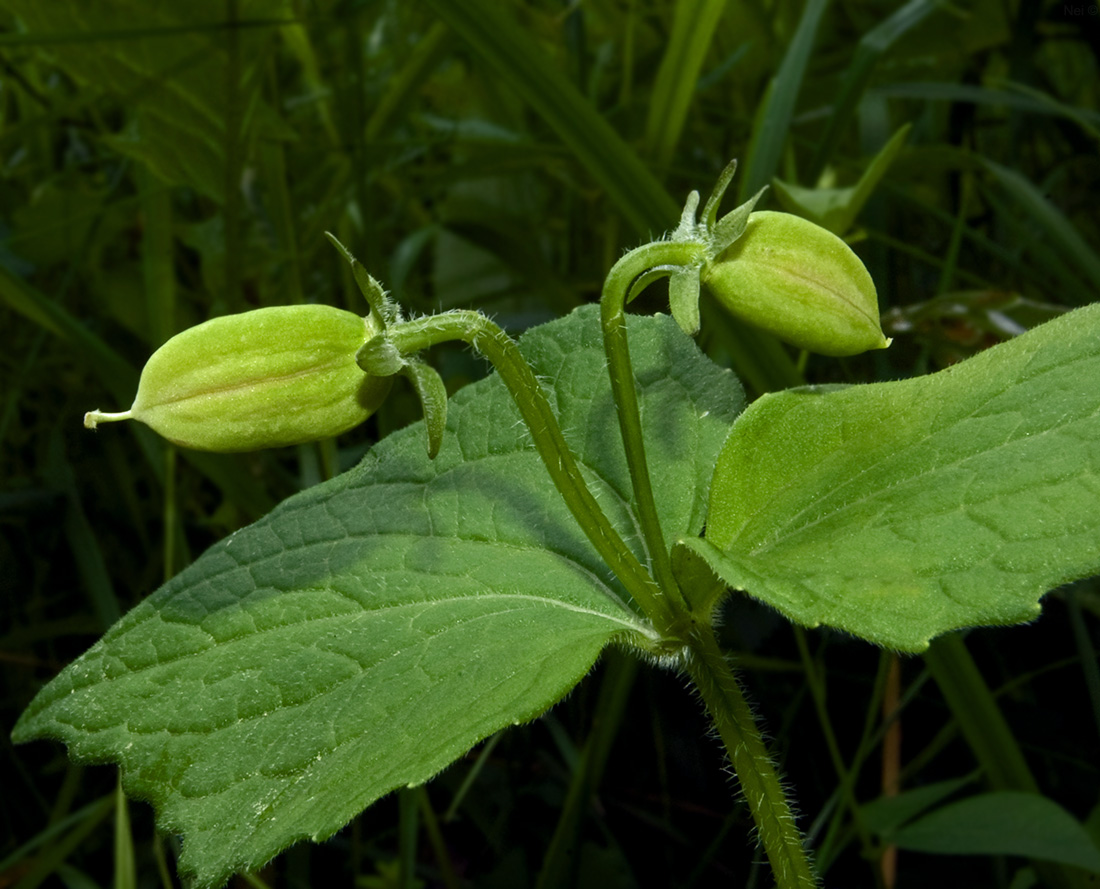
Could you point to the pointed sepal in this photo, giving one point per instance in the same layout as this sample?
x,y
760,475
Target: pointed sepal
x,y
648,277
683,299
688,229
731,226
710,209
384,308
433,399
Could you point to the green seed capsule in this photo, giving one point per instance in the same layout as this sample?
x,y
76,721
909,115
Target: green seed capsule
x,y
262,379
801,282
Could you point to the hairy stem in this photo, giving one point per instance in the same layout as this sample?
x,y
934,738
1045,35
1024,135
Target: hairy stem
x,y
732,716
613,319
517,375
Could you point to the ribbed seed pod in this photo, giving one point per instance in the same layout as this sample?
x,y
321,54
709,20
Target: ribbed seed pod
x,y
801,282
261,379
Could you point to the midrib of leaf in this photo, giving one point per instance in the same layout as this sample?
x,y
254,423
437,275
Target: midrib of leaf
x,y
225,649
605,489
627,619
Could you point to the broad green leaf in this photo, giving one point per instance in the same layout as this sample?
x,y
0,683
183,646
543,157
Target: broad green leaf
x,y
372,629
1005,823
170,65
883,816
899,511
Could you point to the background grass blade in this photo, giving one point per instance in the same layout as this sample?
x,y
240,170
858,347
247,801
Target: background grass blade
x,y
522,63
870,49
1060,234
693,28
773,119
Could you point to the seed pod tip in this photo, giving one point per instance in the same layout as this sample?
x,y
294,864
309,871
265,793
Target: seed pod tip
x,y
94,418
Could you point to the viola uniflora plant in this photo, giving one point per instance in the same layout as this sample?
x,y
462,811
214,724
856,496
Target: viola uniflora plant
x,y
372,629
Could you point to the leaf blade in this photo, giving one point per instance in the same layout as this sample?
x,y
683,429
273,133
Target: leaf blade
x,y
1003,823
326,655
899,511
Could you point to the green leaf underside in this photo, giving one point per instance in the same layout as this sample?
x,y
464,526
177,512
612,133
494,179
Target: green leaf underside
x,y
900,511
372,629
1005,823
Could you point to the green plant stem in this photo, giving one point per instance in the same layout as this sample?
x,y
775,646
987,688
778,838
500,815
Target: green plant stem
x,y
613,319
562,862
721,693
447,873
408,834
847,776
125,868
980,719
704,660
517,375
234,241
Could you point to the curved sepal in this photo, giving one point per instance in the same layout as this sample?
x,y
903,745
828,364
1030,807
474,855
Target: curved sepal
x,y
648,277
380,304
710,210
380,357
433,399
683,299
731,226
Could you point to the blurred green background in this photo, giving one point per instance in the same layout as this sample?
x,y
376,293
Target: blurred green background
x,y
163,163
